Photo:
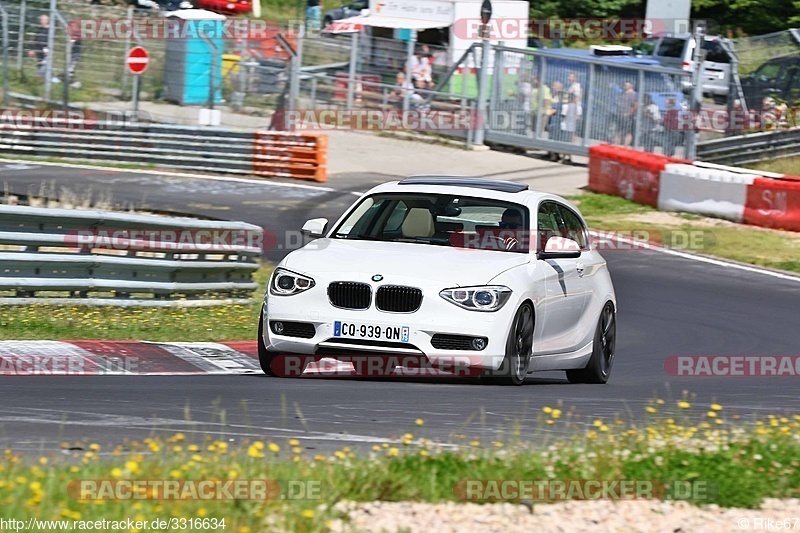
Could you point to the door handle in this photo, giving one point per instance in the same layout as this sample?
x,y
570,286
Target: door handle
x,y
580,268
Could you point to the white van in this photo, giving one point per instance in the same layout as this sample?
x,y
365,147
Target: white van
x,y
676,50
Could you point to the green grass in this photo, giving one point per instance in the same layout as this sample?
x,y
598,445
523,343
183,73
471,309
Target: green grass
x,y
71,322
784,165
713,237
740,464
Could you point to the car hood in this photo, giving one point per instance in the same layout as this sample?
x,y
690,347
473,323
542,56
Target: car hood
x,y
453,266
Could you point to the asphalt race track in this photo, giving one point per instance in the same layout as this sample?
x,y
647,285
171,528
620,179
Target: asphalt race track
x,y
668,306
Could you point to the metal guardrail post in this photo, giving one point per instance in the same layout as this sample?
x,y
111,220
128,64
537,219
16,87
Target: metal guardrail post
x,y
483,81
21,33
351,77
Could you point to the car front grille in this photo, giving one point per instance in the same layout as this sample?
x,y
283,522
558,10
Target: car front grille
x,y
454,342
349,295
398,299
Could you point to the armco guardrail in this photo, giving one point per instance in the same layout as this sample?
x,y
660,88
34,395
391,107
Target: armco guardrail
x,y
742,195
287,155
84,255
750,148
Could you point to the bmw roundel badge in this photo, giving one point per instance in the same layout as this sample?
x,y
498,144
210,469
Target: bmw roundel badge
x,y
377,277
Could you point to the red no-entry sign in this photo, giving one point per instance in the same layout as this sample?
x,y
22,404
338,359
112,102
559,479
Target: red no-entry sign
x,y
137,60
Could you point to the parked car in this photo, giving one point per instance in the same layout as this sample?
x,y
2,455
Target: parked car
x,y
162,5
676,50
778,78
226,7
434,268
352,9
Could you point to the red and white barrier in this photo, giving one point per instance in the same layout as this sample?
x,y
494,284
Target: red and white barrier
x,y
742,195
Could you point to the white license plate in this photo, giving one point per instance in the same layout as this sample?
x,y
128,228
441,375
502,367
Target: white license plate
x,y
357,330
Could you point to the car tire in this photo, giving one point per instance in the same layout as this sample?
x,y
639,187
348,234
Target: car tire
x,y
518,352
598,369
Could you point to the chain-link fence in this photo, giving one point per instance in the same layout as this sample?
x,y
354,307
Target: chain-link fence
x,y
769,68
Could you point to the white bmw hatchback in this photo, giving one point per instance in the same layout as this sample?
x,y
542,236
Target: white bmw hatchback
x,y
450,271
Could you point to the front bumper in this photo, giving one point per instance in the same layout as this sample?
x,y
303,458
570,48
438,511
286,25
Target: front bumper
x,y
435,316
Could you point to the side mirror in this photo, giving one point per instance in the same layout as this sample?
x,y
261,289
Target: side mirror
x,y
560,248
315,227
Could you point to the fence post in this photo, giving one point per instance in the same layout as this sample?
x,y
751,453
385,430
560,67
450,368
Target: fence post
x,y
124,78
67,59
409,76
351,79
496,96
483,80
5,56
587,117
51,40
21,34
637,124
538,131
294,80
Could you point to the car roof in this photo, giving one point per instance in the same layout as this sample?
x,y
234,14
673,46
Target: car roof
x,y
479,187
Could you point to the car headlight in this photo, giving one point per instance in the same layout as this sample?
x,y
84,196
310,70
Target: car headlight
x,y
285,283
489,298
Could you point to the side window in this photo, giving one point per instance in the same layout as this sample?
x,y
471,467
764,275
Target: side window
x,y
715,52
575,229
768,71
671,47
549,223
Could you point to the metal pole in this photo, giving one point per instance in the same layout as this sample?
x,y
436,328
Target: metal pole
x,y
129,16
587,117
67,60
211,80
294,80
697,92
637,125
483,80
5,57
497,85
538,132
21,34
135,116
409,78
51,36
351,81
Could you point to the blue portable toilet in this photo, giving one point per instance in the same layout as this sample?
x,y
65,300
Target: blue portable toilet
x,y
195,42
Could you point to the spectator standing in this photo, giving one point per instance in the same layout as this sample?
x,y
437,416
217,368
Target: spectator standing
x,y
76,46
572,112
651,123
40,50
555,129
627,114
547,101
672,133
313,14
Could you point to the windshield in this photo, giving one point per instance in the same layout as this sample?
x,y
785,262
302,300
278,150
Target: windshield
x,y
438,219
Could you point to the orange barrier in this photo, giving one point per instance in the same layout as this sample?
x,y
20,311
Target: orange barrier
x,y
625,172
773,203
281,154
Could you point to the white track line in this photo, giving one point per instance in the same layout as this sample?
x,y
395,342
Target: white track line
x,y
694,257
